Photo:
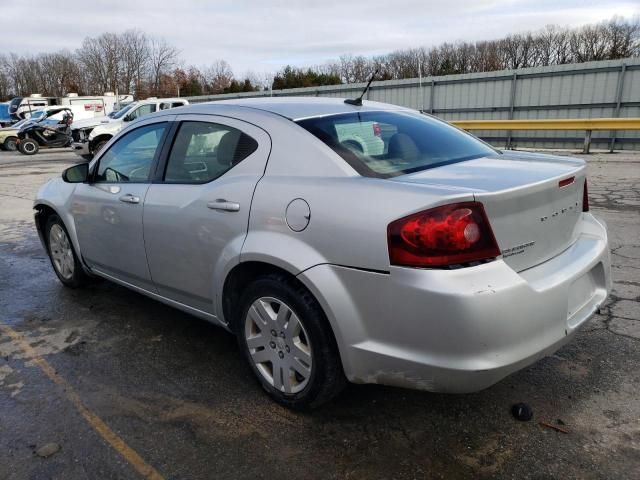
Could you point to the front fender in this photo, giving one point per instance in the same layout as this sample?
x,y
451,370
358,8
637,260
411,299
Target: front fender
x,y
108,129
6,134
56,194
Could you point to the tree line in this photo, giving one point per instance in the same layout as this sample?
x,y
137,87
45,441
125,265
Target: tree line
x,y
553,45
133,62
128,62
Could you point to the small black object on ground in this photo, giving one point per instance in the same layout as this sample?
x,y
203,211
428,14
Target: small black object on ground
x,y
522,412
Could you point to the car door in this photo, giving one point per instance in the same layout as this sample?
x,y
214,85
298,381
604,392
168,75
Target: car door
x,y
196,213
108,210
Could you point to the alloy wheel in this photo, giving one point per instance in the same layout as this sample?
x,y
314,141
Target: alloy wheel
x,y
278,345
61,252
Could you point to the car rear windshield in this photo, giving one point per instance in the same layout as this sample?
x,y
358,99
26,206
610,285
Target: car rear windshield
x,y
388,144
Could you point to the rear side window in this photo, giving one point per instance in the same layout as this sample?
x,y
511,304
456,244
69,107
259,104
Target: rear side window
x,y
388,144
168,105
203,151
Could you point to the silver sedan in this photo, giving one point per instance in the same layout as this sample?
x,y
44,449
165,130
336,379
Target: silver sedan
x,y
339,242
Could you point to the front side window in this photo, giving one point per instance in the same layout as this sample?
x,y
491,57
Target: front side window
x,y
203,151
388,144
131,157
142,111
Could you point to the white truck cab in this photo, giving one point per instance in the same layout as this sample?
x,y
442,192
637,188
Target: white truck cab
x,y
90,135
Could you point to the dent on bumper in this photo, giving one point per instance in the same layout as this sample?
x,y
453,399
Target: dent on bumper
x,y
461,330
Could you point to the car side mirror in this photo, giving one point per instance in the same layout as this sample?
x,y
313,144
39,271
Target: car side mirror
x,y
76,174
127,118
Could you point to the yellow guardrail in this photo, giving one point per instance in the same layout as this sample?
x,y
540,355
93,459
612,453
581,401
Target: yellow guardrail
x,y
552,124
586,124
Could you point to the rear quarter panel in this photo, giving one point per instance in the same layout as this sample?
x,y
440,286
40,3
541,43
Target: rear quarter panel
x,y
349,213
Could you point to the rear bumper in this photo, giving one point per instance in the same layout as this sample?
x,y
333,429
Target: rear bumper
x,y
461,330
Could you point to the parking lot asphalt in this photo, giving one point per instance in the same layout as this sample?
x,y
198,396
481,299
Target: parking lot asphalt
x,y
116,385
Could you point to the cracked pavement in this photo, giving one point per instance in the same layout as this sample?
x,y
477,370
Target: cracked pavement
x,y
177,391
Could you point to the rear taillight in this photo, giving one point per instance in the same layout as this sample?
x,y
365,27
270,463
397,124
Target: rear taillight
x,y
377,131
443,236
585,197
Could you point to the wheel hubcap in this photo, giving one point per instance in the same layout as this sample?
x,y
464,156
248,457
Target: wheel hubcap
x,y
61,252
278,345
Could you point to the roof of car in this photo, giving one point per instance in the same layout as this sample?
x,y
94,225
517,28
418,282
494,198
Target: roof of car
x,y
297,108
161,100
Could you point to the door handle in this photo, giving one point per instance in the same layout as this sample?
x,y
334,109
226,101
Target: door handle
x,y
222,205
128,198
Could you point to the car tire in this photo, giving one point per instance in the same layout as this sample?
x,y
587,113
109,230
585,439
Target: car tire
x,y
303,354
99,146
10,144
28,146
63,257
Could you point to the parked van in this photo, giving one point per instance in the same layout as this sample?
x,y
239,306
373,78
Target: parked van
x,y
89,136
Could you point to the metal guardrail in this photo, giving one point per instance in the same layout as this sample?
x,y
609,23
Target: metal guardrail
x,y
586,124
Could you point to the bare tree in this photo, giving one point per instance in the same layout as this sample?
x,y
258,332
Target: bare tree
x,y
60,73
589,43
623,37
5,82
135,60
163,58
99,58
258,80
218,76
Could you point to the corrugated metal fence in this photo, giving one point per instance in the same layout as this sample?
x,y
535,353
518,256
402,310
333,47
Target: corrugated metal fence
x,y
586,90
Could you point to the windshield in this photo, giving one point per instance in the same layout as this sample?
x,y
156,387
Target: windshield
x,y
388,144
123,111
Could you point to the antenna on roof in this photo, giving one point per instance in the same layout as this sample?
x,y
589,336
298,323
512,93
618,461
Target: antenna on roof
x,y
358,101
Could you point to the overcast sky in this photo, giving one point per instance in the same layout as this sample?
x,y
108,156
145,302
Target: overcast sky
x,y
262,36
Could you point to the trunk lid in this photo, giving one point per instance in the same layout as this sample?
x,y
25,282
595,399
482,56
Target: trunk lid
x,y
533,217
